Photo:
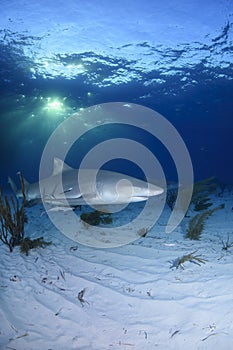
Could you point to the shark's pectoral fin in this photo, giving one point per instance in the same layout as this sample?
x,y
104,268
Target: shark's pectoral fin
x,y
58,209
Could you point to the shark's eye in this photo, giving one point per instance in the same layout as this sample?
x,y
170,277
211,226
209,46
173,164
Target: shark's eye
x,y
68,190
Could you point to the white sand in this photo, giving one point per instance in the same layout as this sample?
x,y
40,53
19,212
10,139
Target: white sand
x,y
132,298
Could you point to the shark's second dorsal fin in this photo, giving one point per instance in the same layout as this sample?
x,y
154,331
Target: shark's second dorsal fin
x,y
59,166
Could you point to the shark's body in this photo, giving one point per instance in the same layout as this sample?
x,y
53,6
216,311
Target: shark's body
x,y
109,188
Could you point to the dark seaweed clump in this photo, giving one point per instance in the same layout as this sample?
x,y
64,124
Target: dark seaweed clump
x,y
197,223
12,218
28,244
96,218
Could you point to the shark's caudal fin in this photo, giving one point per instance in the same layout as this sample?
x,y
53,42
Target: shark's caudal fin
x,y
13,185
17,192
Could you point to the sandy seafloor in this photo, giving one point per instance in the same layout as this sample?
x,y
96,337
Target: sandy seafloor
x,y
133,299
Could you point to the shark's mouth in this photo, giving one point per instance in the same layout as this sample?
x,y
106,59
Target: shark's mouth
x,y
138,198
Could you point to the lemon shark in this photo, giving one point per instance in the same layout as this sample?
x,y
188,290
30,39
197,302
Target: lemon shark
x,y
62,188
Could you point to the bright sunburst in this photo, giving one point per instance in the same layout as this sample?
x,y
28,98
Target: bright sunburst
x,y
54,105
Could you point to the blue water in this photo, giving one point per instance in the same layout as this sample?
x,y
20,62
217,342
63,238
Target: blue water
x,y
177,62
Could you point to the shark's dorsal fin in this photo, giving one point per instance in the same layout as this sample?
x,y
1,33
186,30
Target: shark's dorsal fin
x,y
59,166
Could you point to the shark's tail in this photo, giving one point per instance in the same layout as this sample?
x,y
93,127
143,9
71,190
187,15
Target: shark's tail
x,y
17,192
13,186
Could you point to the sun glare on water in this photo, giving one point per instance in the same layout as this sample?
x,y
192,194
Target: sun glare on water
x,y
54,105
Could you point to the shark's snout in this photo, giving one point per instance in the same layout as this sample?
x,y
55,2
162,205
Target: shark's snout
x,y
142,193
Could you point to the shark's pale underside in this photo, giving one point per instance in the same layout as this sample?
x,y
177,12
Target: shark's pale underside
x,y
109,188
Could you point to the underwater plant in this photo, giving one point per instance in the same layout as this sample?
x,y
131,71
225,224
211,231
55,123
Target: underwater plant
x,y
201,192
171,198
12,218
28,244
96,218
196,259
197,223
81,297
227,244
